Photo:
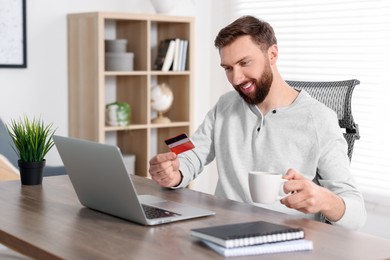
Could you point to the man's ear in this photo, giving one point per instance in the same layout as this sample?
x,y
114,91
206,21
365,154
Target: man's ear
x,y
273,54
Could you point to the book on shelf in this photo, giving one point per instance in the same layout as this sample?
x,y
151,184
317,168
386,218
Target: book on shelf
x,y
171,55
279,247
178,46
183,56
248,233
168,61
161,53
181,65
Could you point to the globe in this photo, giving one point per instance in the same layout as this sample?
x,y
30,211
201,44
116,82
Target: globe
x,y
162,99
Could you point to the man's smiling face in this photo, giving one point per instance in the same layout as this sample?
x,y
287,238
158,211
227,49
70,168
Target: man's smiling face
x,y
248,69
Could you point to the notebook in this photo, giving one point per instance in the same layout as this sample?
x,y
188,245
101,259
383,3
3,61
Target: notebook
x,y
280,247
248,233
99,177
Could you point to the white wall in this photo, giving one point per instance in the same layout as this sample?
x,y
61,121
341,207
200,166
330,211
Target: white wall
x,y
212,83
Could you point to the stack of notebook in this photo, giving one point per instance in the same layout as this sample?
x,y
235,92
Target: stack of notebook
x,y
253,238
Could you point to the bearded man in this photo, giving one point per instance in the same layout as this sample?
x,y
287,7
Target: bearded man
x,y
266,125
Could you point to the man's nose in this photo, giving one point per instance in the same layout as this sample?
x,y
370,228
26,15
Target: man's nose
x,y
237,77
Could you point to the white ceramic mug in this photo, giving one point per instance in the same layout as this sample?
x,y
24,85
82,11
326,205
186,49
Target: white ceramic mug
x,y
266,187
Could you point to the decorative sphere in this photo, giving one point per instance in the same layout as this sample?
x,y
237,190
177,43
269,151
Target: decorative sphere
x,y
162,97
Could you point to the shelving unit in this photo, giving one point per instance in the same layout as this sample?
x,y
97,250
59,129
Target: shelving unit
x,y
91,87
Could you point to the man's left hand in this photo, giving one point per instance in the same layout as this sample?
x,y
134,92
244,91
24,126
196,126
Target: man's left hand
x,y
308,197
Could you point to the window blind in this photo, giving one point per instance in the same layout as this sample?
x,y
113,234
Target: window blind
x,y
323,40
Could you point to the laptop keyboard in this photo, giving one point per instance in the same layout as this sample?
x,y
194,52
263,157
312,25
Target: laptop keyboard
x,y
152,212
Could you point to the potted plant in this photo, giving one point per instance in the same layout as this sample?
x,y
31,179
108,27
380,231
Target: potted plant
x,y
32,140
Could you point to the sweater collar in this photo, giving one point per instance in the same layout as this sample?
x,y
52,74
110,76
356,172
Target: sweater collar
x,y
301,96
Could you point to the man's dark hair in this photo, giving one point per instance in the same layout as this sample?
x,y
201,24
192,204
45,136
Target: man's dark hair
x,y
260,31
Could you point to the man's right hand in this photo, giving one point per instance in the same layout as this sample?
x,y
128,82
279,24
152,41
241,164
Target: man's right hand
x,y
164,169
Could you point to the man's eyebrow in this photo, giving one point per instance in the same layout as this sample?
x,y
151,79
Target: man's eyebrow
x,y
237,62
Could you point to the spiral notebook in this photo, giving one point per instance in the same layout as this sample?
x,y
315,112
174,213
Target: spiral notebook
x,y
280,247
248,233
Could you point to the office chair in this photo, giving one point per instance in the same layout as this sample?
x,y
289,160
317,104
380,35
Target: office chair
x,y
7,151
337,95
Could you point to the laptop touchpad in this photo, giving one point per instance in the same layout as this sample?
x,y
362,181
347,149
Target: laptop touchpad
x,y
160,203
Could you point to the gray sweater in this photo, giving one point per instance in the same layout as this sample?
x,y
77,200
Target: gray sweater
x,y
304,136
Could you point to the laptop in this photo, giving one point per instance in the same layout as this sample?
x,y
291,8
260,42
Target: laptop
x,y
100,179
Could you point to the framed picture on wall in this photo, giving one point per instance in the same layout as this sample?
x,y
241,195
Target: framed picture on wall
x,y
13,49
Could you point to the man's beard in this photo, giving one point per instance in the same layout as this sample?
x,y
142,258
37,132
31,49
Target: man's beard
x,y
263,85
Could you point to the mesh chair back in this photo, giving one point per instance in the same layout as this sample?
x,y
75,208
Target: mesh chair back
x,y
337,95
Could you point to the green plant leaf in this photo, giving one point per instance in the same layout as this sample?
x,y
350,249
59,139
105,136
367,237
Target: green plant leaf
x,y
32,138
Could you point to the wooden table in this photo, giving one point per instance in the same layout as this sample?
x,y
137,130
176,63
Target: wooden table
x,y
47,221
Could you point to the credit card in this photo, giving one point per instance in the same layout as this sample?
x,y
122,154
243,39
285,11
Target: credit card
x,y
179,143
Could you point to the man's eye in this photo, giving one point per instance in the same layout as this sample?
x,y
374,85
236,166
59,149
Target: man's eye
x,y
244,63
